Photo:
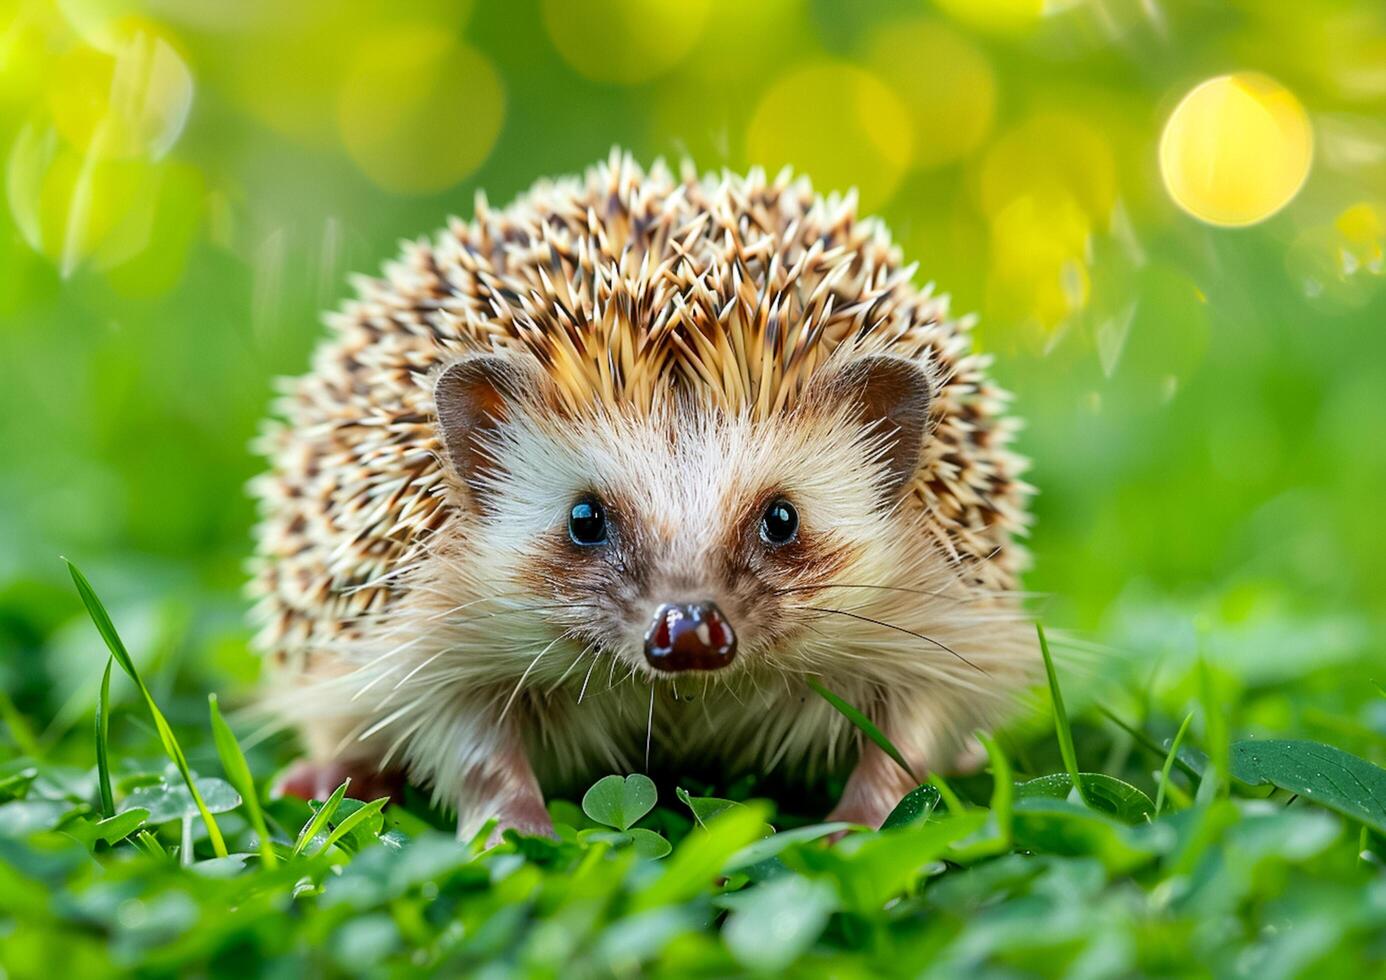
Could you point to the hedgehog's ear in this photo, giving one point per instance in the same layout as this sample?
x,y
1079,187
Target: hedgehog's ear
x,y
475,397
892,396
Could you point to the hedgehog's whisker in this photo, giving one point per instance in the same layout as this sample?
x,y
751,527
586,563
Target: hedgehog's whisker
x,y
409,676
547,607
457,622
853,585
467,605
381,659
364,619
728,687
649,726
564,676
525,676
629,676
901,629
596,655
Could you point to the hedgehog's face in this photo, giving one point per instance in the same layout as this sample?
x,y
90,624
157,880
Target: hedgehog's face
x,y
688,539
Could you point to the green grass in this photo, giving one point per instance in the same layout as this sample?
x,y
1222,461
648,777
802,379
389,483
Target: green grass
x,y
1259,858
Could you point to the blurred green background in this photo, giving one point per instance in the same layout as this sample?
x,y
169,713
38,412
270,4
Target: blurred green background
x,y
188,184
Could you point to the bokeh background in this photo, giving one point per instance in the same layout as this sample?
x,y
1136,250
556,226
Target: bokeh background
x,y
1187,297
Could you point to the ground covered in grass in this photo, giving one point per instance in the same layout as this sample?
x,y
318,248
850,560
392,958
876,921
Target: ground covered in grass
x,y
1192,853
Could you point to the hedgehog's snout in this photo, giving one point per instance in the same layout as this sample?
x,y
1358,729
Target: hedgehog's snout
x,y
689,636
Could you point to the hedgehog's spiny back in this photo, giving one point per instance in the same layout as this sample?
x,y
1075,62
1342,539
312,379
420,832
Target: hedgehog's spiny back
x,y
623,284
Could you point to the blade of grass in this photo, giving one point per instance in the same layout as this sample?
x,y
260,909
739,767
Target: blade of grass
x,y
1148,743
106,628
1003,786
950,799
863,724
1169,762
349,824
148,843
103,740
1061,726
319,820
238,774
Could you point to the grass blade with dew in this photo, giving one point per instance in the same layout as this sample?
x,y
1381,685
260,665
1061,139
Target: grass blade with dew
x,y
314,826
863,724
350,823
1169,763
103,742
1061,726
106,628
238,774
1148,743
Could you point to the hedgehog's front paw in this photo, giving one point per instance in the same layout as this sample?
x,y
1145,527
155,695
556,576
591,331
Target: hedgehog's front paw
x,y
870,811
310,780
872,791
525,815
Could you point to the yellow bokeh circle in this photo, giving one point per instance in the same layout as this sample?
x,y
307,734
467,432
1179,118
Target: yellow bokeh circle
x,y
838,124
1039,258
953,103
1236,149
419,110
624,41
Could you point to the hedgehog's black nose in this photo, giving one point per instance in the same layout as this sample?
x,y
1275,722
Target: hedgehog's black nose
x,y
689,636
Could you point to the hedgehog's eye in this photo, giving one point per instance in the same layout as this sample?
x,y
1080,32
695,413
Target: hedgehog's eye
x,y
780,524
587,523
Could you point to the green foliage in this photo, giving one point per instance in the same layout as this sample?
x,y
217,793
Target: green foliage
x,y
1326,775
916,807
1032,881
238,772
704,807
15,786
109,830
1106,793
1061,726
618,802
103,738
167,799
321,815
362,817
106,628
1029,878
1170,758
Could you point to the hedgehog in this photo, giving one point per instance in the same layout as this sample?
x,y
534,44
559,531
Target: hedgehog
x,y
603,481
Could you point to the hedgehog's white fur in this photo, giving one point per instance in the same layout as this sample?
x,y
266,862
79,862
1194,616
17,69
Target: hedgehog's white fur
x,y
682,328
